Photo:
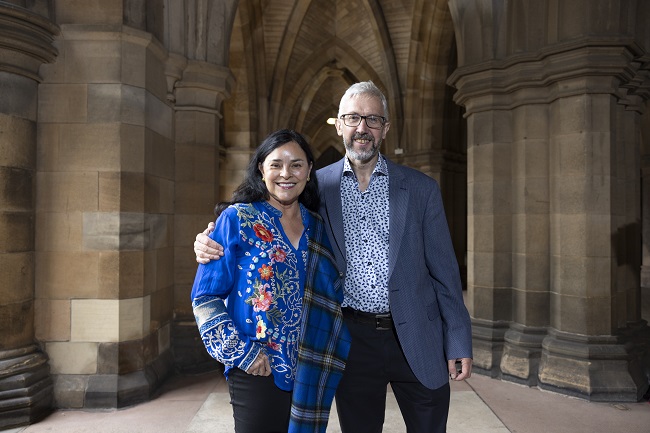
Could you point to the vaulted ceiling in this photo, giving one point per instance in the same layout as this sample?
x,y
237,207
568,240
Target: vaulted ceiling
x,y
293,59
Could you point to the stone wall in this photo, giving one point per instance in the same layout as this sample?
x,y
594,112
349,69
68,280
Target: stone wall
x,y
106,191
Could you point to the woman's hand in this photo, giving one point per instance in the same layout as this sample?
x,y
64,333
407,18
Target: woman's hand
x,y
261,366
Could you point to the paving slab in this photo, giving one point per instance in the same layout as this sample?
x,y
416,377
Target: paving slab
x,y
200,404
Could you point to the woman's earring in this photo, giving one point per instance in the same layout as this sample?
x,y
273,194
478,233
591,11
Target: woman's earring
x,y
263,180
308,178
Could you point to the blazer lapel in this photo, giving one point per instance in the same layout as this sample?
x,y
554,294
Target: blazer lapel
x,y
398,199
329,180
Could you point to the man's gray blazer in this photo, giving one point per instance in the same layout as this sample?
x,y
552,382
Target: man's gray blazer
x,y
425,292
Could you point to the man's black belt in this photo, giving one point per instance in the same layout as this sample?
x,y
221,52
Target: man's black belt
x,y
381,322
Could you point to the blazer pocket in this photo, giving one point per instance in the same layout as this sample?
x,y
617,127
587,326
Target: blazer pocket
x,y
433,312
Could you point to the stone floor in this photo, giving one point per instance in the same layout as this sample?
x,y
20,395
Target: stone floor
x,y
199,404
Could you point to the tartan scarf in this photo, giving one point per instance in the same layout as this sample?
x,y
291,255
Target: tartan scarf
x,y
324,342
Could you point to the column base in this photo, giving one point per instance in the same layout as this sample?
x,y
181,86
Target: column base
x,y
521,354
602,368
190,355
112,391
26,389
487,342
645,293
645,276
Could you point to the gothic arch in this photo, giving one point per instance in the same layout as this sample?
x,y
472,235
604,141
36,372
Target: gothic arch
x,y
429,58
288,63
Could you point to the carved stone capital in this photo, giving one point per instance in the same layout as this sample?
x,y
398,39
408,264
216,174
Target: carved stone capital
x,y
174,66
203,87
25,41
557,71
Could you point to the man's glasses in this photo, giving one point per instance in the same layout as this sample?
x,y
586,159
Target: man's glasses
x,y
372,121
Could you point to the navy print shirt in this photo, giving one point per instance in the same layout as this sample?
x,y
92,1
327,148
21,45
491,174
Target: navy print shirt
x,y
365,224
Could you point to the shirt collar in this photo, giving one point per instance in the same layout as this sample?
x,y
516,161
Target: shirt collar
x,y
380,168
278,213
274,211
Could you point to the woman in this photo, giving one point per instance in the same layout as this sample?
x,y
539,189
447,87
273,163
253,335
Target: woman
x,y
269,310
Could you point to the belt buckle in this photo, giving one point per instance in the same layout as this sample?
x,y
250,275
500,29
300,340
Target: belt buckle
x,y
378,319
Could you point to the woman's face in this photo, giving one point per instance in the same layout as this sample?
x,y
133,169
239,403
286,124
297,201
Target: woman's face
x,y
285,172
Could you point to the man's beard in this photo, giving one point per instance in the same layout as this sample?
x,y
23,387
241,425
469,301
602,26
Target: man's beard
x,y
365,155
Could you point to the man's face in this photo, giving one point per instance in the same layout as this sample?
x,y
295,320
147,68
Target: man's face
x,y
361,142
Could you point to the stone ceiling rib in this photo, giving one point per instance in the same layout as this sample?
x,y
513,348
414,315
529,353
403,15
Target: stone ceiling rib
x,y
251,17
313,27
333,58
432,40
279,18
293,44
282,70
398,15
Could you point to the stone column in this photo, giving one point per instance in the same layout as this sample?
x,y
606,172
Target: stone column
x,y
554,194
645,215
25,384
489,222
530,246
104,210
198,81
490,129
199,95
595,232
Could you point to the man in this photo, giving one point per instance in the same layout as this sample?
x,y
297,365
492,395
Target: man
x,y
403,298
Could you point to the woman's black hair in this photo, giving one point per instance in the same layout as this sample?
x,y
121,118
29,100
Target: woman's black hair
x,y
253,187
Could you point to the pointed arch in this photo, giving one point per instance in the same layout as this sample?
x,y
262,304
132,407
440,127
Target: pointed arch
x,y
429,56
282,93
252,32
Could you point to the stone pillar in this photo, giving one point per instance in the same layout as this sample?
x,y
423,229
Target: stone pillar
x,y
198,81
198,95
489,222
645,215
25,383
554,193
104,210
595,232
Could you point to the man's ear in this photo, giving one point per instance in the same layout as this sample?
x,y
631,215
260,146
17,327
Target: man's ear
x,y
386,128
339,127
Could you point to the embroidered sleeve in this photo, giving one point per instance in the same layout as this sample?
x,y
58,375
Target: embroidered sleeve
x,y
220,337
213,283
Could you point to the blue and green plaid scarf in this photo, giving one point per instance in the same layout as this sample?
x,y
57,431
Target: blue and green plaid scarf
x,y
325,341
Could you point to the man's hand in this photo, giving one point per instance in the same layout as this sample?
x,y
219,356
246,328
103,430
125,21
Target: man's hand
x,y
465,368
205,248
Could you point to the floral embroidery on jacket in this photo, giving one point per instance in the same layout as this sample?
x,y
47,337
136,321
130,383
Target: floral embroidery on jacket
x,y
261,301
263,233
263,295
266,272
